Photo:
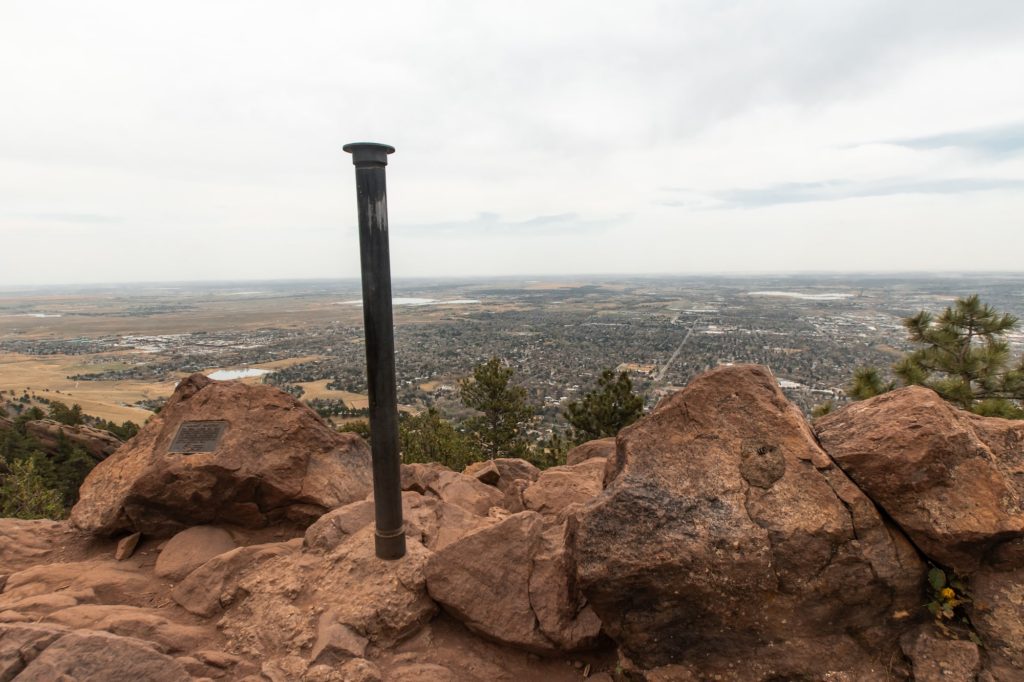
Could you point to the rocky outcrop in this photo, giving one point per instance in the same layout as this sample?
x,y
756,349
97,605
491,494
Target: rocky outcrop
x,y
43,589
213,587
280,608
602,447
503,472
20,644
150,624
514,582
715,539
557,488
726,530
276,459
953,481
429,520
462,490
99,444
92,655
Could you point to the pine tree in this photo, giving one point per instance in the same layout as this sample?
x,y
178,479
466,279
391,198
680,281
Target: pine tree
x,y
72,416
605,410
428,437
965,359
503,406
867,383
549,452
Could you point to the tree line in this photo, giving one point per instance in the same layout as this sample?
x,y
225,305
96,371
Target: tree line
x,y
503,417
38,482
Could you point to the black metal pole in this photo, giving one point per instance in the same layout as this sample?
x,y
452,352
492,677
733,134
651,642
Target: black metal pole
x,y
371,195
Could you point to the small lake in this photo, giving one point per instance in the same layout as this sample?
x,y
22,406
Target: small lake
x,y
806,297
229,374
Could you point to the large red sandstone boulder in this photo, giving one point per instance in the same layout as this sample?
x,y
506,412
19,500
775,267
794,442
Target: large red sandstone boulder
x,y
514,582
726,531
953,481
276,458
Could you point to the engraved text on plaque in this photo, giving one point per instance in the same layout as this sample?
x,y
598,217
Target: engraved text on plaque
x,y
198,436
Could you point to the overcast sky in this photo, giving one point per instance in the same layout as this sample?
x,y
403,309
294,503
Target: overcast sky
x,y
202,140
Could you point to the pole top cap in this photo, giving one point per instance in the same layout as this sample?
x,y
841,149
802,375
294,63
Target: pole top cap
x,y
369,153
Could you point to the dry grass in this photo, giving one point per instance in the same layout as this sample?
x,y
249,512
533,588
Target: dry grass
x,y
46,376
318,389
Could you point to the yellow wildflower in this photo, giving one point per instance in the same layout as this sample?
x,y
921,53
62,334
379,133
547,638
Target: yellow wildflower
x,y
947,593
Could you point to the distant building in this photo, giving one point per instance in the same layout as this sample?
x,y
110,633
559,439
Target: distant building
x,y
646,369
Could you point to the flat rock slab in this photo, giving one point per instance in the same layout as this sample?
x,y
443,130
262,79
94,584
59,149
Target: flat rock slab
x,y
21,643
937,658
25,543
90,656
126,546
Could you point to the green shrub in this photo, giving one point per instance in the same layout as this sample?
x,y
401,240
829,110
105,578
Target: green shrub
x,y
24,495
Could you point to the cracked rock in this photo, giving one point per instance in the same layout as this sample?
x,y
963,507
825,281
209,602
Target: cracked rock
x,y
725,529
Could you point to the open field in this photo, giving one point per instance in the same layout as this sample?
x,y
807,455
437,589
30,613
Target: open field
x,y
46,376
318,389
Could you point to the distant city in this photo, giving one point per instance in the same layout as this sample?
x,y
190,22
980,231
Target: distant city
x,y
120,349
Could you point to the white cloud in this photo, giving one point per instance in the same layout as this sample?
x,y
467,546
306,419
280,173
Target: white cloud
x,y
203,140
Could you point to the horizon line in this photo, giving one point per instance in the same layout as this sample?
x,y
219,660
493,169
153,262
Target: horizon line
x,y
533,276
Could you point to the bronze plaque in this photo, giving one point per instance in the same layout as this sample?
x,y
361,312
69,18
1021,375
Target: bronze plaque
x,y
198,436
